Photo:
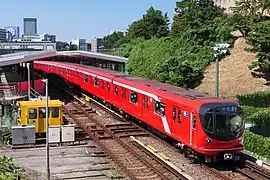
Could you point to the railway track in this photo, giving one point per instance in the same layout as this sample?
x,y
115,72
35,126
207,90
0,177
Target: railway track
x,y
114,140
113,137
250,171
253,171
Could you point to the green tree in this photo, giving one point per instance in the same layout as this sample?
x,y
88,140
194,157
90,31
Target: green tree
x,y
61,46
259,39
202,22
191,14
249,12
114,40
167,60
152,24
72,47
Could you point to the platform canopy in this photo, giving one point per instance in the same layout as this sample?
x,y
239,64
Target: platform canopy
x,y
21,57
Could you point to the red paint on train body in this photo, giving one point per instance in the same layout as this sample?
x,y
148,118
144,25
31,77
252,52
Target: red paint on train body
x,y
205,124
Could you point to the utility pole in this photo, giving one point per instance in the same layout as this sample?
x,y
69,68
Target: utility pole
x,y
220,49
29,81
47,132
217,76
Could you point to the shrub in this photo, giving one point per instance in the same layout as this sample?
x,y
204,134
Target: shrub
x,y
256,115
257,144
8,169
174,61
257,99
260,117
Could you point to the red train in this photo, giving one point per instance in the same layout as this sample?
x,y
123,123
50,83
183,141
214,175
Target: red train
x,y
202,125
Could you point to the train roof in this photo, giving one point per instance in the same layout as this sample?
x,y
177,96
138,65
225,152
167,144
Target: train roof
x,y
41,103
147,84
179,91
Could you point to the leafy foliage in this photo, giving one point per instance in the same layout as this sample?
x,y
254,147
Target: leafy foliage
x,y
201,21
257,144
260,41
114,40
61,46
8,169
171,61
259,116
181,58
127,47
249,12
257,99
153,24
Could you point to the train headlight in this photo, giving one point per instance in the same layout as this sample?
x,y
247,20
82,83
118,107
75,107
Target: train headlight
x,y
208,141
241,140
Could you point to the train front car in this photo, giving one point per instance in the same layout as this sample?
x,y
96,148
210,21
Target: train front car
x,y
223,127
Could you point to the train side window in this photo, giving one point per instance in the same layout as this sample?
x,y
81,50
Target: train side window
x,y
96,82
108,86
55,112
86,78
116,90
68,72
174,114
179,116
124,93
133,97
159,108
32,113
42,112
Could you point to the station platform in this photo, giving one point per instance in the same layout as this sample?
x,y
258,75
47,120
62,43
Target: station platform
x,y
8,88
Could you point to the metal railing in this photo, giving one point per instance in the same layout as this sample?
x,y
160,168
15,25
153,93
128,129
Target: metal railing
x,y
114,52
21,89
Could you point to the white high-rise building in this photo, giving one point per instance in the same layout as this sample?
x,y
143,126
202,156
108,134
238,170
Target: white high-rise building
x,y
81,44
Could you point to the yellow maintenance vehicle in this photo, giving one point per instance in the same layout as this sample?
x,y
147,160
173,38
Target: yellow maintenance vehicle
x,y
34,113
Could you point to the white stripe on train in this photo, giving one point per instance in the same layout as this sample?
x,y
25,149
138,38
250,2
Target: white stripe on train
x,y
155,97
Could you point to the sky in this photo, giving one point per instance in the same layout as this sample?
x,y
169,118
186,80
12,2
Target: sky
x,y
73,19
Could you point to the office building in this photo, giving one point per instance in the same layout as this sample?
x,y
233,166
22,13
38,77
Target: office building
x,y
228,5
49,37
96,44
30,26
80,43
88,46
19,46
3,35
13,32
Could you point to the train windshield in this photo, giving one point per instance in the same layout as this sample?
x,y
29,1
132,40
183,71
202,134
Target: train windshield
x,y
224,123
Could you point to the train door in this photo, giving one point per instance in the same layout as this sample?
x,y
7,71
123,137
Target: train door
x,y
176,123
31,118
54,116
193,126
146,108
42,119
124,99
117,96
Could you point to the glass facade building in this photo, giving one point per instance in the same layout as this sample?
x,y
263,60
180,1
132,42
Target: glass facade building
x,y
30,26
3,35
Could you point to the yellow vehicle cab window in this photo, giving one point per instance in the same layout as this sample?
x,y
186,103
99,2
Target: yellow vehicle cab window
x,y
32,113
42,112
55,112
